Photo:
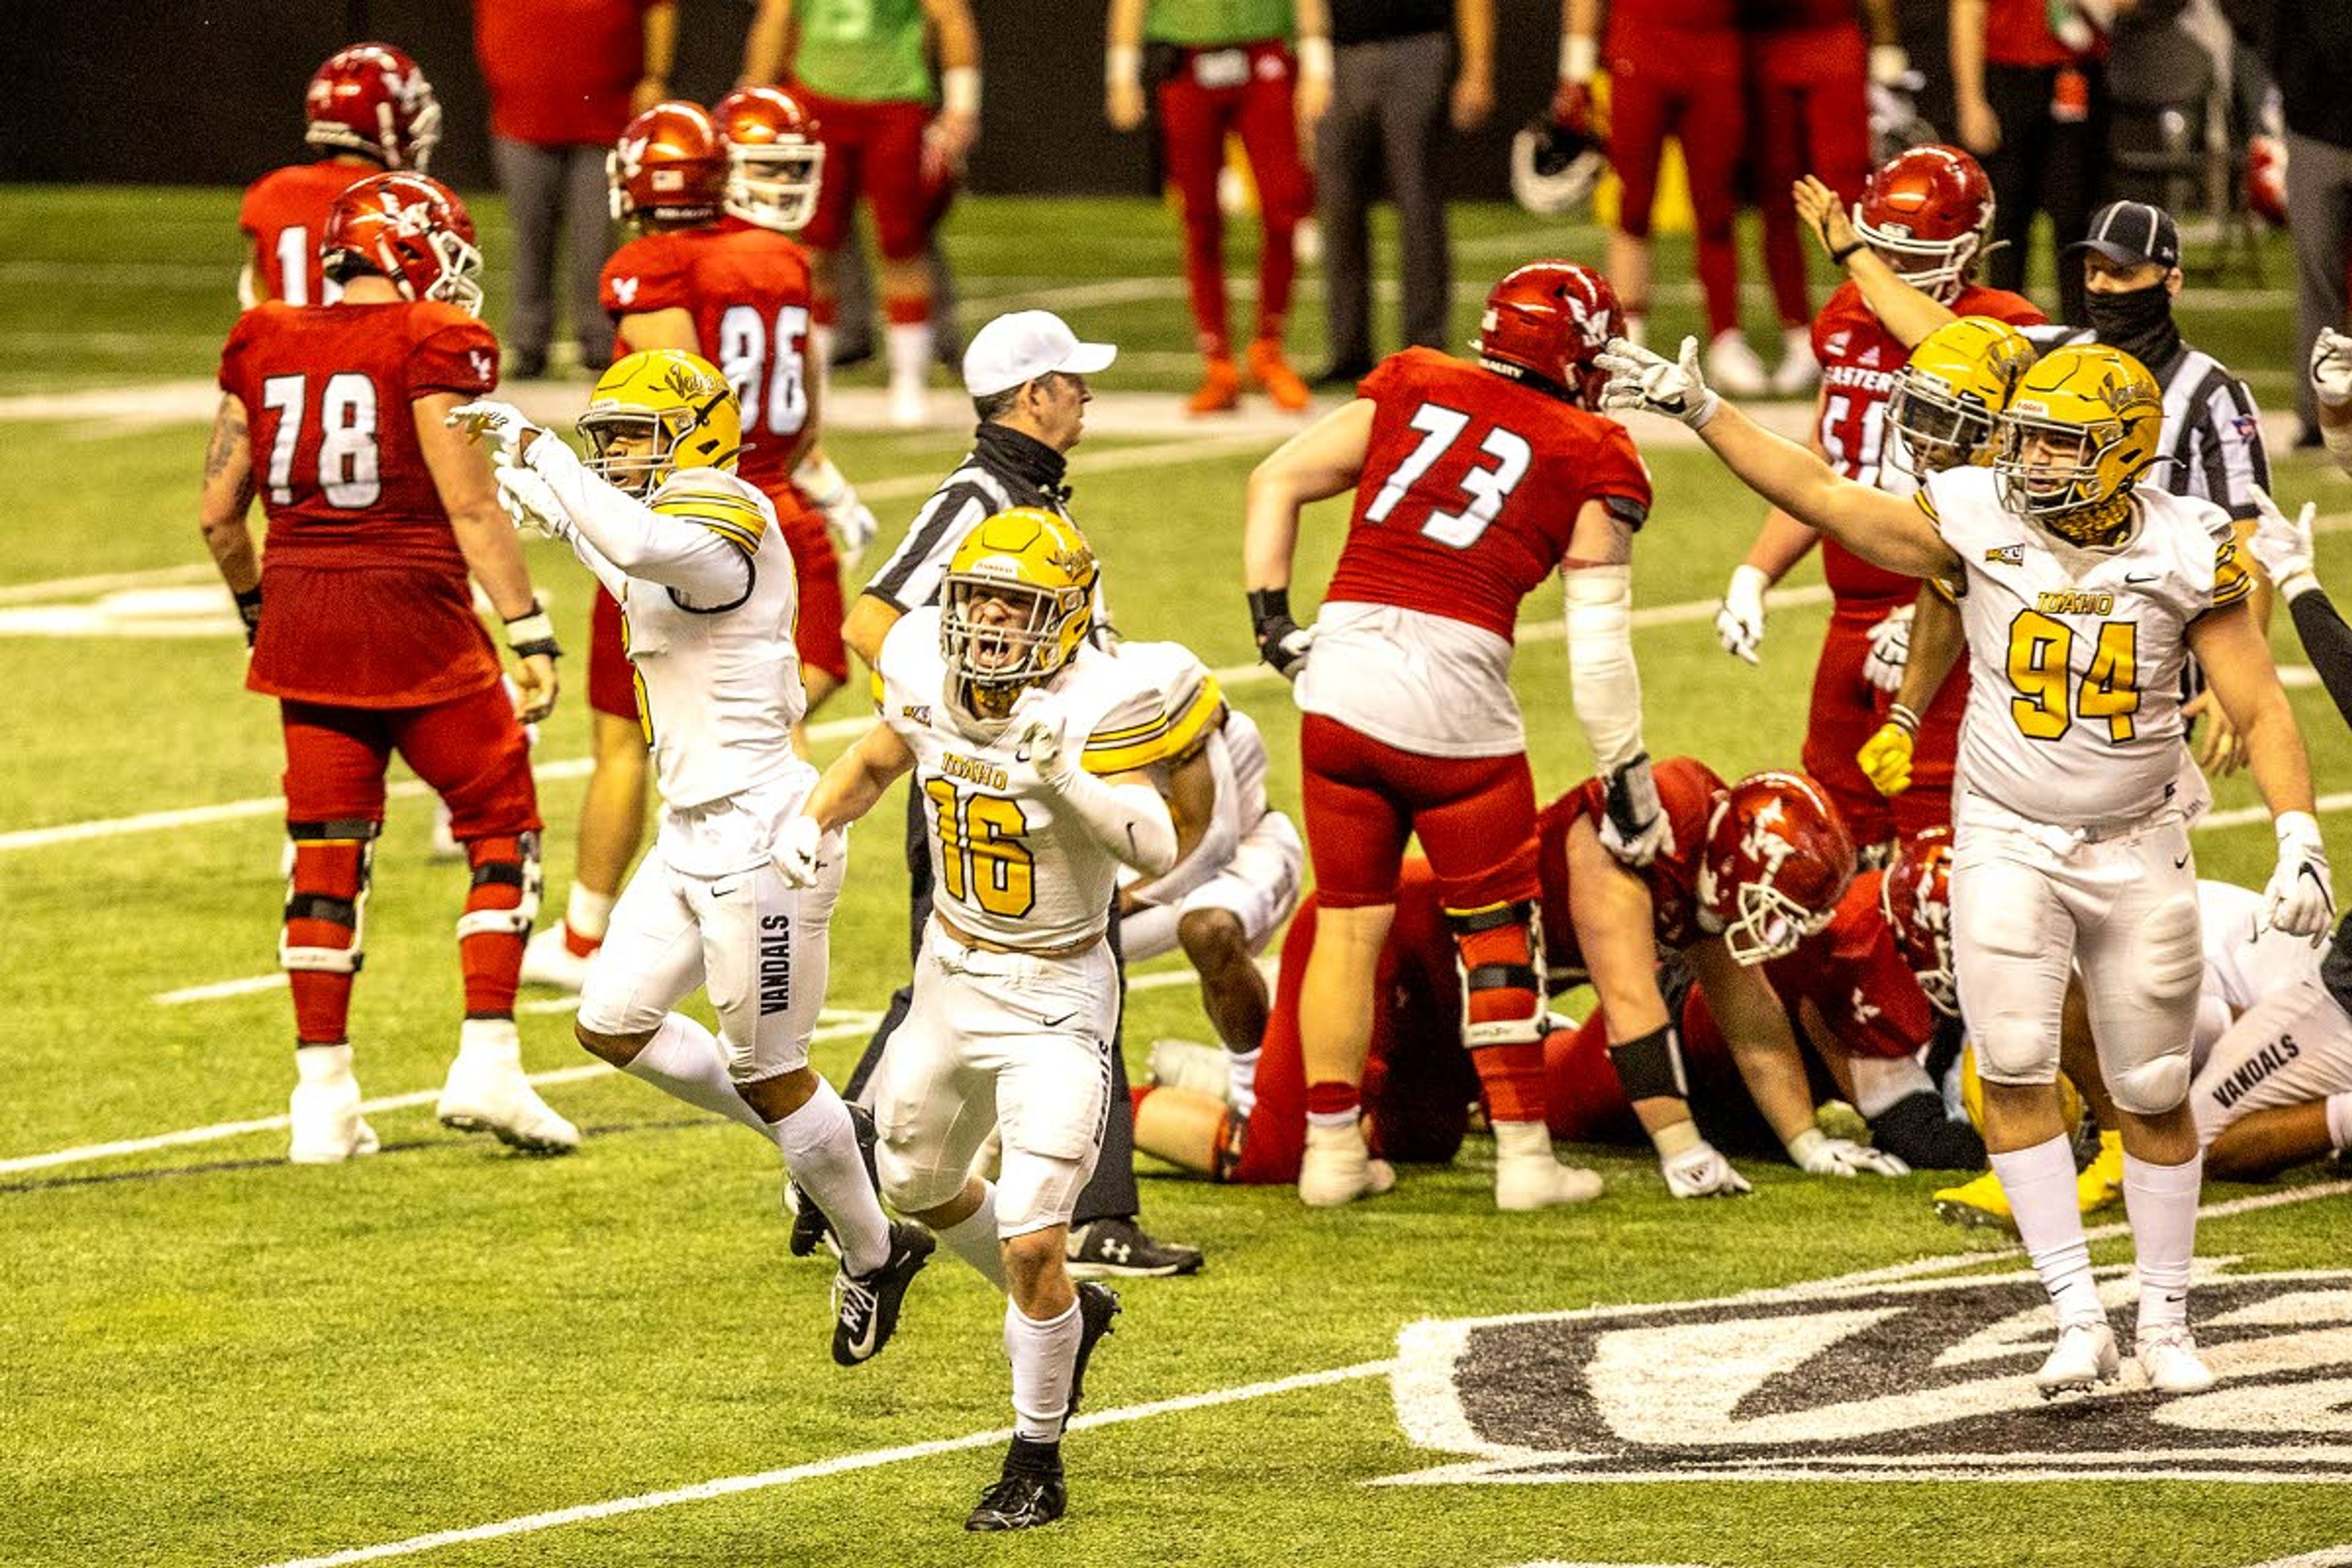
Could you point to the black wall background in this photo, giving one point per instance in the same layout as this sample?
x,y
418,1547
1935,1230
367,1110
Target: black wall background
x,y
199,91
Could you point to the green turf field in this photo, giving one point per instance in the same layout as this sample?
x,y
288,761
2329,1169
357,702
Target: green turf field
x,y
207,1356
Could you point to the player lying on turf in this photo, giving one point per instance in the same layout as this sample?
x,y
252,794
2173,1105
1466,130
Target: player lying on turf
x,y
2082,593
692,555
1844,989
1031,751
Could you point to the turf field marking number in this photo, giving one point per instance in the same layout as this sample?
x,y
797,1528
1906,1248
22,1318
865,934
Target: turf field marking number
x,y
1487,489
742,348
347,452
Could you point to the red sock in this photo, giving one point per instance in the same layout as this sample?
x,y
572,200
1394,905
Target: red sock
x,y
322,912
1137,1093
1330,1097
907,310
1513,1078
491,961
577,945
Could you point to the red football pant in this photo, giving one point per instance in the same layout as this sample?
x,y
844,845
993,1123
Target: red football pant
x,y
1692,91
1812,117
1193,120
876,148
1847,710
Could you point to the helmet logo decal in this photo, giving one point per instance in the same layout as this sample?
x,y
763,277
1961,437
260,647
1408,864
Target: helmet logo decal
x,y
687,383
1763,845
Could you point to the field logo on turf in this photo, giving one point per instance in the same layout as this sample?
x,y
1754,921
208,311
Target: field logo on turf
x,y
1926,1380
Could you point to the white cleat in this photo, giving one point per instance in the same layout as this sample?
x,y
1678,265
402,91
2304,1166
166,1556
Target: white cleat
x,y
1189,1065
1337,1169
548,960
1524,1184
324,1108
1733,367
909,405
2168,1356
2083,1357
486,1092
1798,372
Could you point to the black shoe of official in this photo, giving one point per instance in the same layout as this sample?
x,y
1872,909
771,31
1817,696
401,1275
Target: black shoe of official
x,y
865,1306
1030,1492
1097,1305
849,353
810,1226
1341,375
1105,1248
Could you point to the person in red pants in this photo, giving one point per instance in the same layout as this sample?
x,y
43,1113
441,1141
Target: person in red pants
x,y
362,628
1810,70
1674,70
1230,67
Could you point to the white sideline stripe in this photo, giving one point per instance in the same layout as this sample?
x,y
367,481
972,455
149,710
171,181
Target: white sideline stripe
x,y
103,582
2326,1557
846,1463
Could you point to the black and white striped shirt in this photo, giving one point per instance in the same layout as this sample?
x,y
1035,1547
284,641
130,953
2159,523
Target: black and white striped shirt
x,y
2212,447
1003,469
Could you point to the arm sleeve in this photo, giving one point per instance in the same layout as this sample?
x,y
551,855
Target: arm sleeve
x,y
2328,641
1604,685
700,546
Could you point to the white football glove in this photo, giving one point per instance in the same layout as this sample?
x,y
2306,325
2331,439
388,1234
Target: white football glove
x,y
501,425
1634,827
1040,746
798,850
531,501
1700,1172
1739,621
2283,547
1819,1155
2331,367
1890,650
2299,900
1640,379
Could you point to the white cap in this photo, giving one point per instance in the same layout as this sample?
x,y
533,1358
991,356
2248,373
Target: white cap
x,y
1022,346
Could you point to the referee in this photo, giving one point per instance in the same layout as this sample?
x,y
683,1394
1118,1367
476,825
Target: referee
x,y
1027,374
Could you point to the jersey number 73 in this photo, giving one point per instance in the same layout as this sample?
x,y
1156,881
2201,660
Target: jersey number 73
x,y
1486,489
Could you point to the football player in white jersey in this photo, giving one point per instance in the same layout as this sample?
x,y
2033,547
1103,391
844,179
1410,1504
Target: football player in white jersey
x,y
705,583
1030,752
2080,594
1235,879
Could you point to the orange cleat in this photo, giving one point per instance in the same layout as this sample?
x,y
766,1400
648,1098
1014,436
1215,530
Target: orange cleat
x,y
1274,372
1220,389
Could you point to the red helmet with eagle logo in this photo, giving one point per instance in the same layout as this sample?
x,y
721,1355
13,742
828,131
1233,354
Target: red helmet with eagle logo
x,y
1777,861
1550,319
1929,211
1916,896
410,228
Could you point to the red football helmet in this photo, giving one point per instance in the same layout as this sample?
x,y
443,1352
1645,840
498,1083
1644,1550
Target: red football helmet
x,y
1916,899
1550,319
410,228
774,158
372,98
1929,211
1777,861
669,166
2266,178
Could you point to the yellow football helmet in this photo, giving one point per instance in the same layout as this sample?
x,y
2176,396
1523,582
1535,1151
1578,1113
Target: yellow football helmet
x,y
2082,427
679,401
1016,602
1946,399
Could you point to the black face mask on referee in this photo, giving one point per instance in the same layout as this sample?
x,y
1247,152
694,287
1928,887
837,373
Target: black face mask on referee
x,y
2137,321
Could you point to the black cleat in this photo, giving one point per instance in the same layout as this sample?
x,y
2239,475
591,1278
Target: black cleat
x,y
865,1306
1120,1248
809,1224
1097,1305
1031,1491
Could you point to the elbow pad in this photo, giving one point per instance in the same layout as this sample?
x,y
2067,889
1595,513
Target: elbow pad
x,y
1604,685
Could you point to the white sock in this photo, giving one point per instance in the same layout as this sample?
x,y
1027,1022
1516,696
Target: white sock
x,y
491,1040
819,1145
2040,1185
322,1064
2161,1203
2339,1119
588,913
908,345
1522,1143
683,1061
1240,1082
974,1239
1044,1355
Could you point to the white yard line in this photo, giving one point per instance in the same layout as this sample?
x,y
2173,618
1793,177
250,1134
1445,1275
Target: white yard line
x,y
2326,1557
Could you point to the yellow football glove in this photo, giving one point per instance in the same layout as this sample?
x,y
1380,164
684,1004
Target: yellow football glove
x,y
1886,757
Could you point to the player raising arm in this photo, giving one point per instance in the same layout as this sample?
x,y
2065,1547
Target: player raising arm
x,y
2081,595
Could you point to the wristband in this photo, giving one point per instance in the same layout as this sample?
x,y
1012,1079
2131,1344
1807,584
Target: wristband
x,y
1843,252
960,89
531,634
1314,62
2295,585
249,611
1579,57
1123,66
1901,716
1268,604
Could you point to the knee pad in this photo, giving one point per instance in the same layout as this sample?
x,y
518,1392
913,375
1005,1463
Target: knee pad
x,y
2169,949
504,898
2152,1087
1649,1067
1498,950
2014,1048
329,866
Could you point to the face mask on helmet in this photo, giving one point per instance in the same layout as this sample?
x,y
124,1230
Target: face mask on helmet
x,y
460,283
775,184
1766,923
1937,267
2057,475
1940,429
998,633
628,448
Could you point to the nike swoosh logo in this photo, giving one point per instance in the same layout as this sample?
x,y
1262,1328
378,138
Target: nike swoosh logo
x,y
1057,1023
722,893
2176,865
2139,577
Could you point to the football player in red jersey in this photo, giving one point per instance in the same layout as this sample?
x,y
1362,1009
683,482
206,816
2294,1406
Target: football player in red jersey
x,y
362,626
1673,69
370,110
1473,483
1923,219
1844,984
712,272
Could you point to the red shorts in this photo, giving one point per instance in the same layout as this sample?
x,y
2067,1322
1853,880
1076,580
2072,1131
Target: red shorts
x,y
611,684
470,749
1847,710
1475,817
876,148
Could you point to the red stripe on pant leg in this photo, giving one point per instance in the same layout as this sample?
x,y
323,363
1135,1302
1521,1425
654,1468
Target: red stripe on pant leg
x,y
907,310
